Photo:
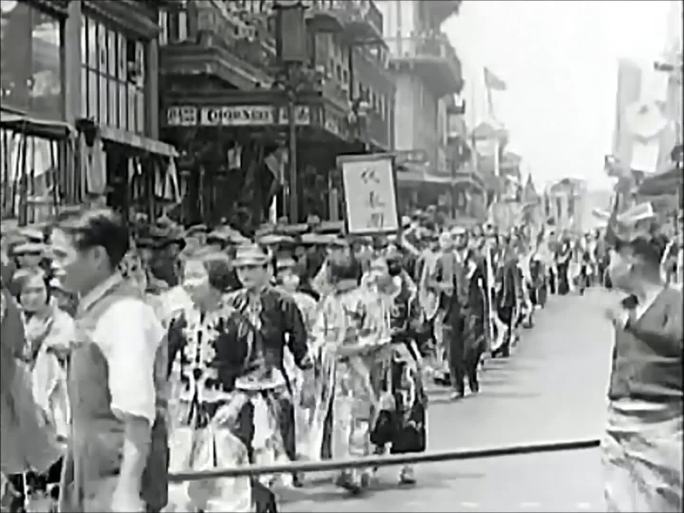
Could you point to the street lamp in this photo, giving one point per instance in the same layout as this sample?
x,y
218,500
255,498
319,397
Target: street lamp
x,y
291,51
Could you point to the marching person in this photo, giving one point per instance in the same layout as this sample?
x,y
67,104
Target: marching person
x,y
475,329
348,333
111,370
642,447
401,425
301,381
266,391
210,345
448,280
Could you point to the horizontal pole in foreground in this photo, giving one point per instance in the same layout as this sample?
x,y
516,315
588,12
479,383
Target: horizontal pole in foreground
x,y
383,460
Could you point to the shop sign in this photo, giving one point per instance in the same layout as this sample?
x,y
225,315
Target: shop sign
x,y
236,115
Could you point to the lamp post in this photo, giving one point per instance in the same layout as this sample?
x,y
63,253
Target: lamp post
x,y
291,50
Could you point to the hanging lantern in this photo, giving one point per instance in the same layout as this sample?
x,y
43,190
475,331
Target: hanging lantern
x,y
291,33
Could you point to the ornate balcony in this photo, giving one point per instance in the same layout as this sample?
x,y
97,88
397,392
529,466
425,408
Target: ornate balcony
x,y
360,20
207,37
432,56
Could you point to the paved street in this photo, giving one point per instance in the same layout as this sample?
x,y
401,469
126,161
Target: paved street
x,y
552,388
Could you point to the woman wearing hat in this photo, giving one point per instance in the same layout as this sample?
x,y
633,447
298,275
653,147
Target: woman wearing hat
x,y
266,391
642,447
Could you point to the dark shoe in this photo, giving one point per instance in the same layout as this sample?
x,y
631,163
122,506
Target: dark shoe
x,y
474,387
297,480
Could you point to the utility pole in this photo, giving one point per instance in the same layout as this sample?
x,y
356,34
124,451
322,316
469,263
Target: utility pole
x,y
291,47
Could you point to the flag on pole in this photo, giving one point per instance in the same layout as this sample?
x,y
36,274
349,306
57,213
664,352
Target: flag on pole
x,y
493,82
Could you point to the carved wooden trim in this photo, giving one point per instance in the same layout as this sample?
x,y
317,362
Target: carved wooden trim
x,y
128,16
56,7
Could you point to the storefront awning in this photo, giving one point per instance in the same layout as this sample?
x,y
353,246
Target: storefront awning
x,y
409,173
35,127
137,141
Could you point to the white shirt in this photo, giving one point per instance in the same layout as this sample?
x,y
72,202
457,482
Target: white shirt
x,y
128,333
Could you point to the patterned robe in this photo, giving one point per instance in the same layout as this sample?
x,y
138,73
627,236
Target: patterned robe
x,y
207,352
264,393
401,418
350,335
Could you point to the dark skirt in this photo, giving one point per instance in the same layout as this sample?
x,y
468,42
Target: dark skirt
x,y
404,428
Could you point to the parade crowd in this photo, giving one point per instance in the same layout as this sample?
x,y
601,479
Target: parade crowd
x,y
148,349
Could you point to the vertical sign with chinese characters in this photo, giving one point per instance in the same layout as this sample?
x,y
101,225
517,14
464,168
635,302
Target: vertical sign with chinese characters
x,y
369,193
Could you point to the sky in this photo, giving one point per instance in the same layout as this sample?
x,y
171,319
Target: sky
x,y
559,61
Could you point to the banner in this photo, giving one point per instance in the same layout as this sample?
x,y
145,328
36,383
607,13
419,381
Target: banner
x,y
370,193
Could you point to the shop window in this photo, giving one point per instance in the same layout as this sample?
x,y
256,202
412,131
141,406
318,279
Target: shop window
x,y
115,87
173,26
31,79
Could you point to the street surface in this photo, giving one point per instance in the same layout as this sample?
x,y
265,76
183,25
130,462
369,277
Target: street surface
x,y
551,389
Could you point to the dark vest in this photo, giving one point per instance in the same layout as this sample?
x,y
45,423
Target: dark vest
x,y
647,357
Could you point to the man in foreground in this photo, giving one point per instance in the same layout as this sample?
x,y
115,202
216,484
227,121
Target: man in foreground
x,y
642,448
112,370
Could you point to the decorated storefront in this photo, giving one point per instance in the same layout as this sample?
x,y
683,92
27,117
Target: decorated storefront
x,y
36,144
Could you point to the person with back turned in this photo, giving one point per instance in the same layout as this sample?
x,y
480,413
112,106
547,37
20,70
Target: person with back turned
x,y
642,447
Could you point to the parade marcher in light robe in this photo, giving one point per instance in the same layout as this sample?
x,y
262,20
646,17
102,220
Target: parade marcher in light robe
x,y
428,299
210,345
266,391
642,447
112,374
301,381
402,425
348,334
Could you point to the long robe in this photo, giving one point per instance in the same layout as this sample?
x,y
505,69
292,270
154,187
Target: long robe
x,y
350,335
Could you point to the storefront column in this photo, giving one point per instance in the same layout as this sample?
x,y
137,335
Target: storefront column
x,y
72,63
152,89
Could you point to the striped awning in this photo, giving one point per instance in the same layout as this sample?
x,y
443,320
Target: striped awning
x,y
35,127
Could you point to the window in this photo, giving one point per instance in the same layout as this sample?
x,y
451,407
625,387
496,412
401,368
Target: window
x,y
31,52
112,77
173,25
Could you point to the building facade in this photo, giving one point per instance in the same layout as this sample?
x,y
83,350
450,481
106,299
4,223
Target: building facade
x,y
427,75
225,104
79,107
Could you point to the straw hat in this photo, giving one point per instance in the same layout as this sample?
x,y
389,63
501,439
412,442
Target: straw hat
x,y
250,255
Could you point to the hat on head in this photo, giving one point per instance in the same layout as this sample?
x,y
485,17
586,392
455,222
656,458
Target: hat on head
x,y
196,229
33,235
285,262
146,243
275,239
458,230
338,242
405,221
29,248
250,255
217,237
